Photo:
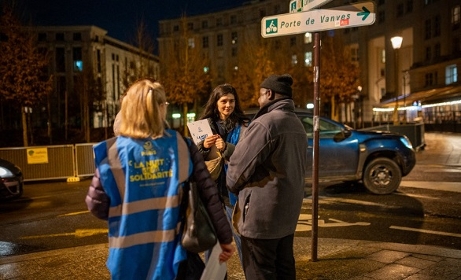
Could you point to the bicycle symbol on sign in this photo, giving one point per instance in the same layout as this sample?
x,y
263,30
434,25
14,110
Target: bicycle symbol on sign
x,y
271,28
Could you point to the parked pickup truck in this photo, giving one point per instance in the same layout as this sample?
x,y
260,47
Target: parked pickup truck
x,y
377,159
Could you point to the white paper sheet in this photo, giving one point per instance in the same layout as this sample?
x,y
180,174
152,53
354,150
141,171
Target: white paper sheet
x,y
199,130
213,269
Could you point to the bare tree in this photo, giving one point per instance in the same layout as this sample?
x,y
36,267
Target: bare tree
x,y
23,78
92,97
259,58
339,75
254,64
183,71
140,63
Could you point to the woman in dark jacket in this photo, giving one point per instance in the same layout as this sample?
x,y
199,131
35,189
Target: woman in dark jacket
x,y
228,122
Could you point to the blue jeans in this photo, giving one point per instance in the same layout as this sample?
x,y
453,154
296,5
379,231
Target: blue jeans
x,y
237,240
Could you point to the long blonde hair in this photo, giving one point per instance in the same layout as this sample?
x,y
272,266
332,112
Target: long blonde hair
x,y
141,116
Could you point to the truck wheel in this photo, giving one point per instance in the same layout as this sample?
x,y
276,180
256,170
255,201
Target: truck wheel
x,y
382,176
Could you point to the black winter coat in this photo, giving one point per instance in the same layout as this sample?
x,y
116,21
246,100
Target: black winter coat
x,y
98,202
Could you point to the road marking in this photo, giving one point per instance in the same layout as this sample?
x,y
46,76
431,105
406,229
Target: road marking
x,y
326,200
305,223
440,186
79,233
417,196
74,213
427,231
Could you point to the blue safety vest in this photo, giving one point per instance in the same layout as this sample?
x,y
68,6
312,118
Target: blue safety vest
x,y
143,179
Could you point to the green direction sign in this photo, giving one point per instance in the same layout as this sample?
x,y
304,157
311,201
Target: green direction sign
x,y
305,5
358,14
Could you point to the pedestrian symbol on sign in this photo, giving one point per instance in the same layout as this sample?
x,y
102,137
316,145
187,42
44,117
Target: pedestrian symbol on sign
x,y
271,26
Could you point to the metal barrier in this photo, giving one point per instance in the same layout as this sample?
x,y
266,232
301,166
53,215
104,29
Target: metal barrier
x,y
70,162
84,160
42,162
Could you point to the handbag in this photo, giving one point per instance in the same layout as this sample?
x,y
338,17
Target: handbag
x,y
214,165
198,233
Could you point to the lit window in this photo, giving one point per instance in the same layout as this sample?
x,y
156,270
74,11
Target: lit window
x,y
308,58
451,74
77,59
191,42
294,59
455,15
234,38
307,38
78,66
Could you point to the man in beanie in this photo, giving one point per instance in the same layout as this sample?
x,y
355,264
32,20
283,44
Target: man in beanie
x,y
267,171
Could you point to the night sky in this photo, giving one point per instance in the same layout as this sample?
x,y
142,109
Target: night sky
x,y
118,17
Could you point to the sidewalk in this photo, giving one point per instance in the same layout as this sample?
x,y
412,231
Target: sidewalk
x,y
336,258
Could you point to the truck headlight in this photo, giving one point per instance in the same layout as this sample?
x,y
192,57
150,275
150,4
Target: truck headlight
x,y
404,139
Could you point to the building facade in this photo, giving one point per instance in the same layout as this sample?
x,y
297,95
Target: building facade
x,y
90,72
420,79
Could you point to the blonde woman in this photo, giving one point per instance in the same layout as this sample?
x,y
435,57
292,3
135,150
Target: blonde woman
x,y
137,187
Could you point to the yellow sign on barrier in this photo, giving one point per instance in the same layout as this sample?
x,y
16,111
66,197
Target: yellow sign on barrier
x,y
37,155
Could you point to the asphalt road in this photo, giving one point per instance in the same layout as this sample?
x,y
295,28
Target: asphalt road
x,y
53,215
50,215
409,216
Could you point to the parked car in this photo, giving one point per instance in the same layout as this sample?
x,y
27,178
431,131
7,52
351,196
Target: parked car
x,y
11,180
377,159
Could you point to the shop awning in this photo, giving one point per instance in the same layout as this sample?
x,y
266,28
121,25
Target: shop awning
x,y
437,95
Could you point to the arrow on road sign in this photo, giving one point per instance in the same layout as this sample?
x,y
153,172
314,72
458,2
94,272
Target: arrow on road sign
x,y
358,14
365,13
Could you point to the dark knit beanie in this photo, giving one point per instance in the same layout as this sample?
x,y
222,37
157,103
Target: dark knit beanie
x,y
279,84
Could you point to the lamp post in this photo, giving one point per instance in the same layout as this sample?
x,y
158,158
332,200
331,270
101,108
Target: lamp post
x,y
405,81
359,88
396,44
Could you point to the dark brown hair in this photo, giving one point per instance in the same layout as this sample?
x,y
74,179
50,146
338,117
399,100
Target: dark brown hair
x,y
211,108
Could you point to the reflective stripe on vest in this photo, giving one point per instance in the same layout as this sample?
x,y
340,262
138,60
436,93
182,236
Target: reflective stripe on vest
x,y
144,209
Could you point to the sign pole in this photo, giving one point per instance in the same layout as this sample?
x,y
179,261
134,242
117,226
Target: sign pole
x,y
315,154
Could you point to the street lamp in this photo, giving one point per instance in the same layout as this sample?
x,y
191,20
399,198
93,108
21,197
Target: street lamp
x,y
396,44
405,81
